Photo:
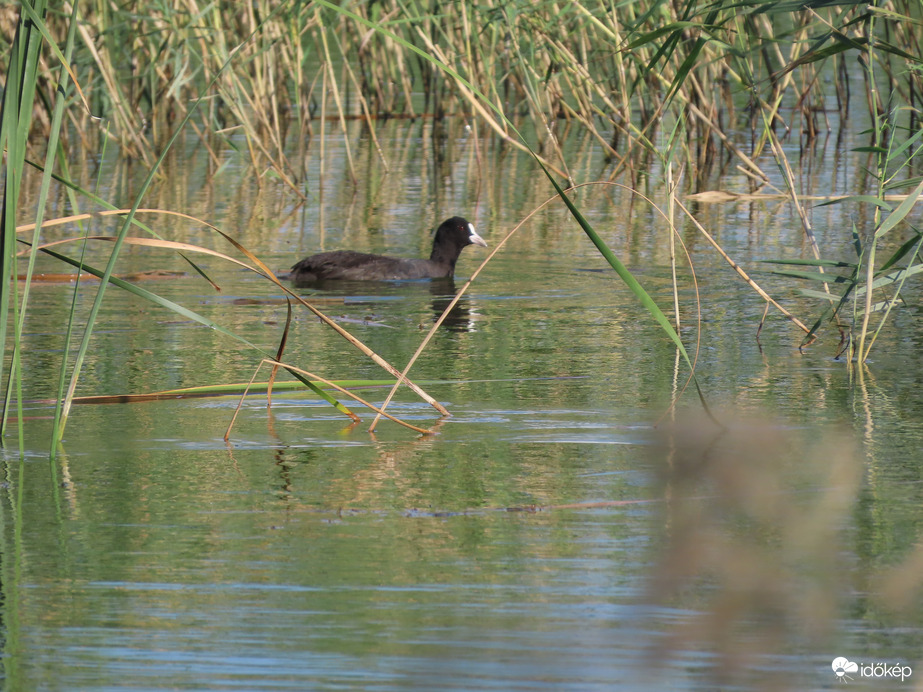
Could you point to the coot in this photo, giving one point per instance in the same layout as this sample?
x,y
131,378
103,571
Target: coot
x,y
451,237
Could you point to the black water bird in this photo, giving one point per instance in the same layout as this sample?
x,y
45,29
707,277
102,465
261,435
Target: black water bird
x,y
452,236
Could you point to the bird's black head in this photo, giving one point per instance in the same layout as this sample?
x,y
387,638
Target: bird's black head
x,y
458,231
452,236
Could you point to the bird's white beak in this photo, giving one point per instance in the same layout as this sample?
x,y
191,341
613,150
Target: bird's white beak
x,y
474,238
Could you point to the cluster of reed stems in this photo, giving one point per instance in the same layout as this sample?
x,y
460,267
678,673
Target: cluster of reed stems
x,y
692,85
623,72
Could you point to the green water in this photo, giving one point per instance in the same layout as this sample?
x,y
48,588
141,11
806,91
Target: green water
x,y
548,536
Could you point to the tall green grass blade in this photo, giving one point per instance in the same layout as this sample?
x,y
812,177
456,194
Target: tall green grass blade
x,y
892,15
894,50
820,295
890,303
814,276
856,241
901,252
802,5
884,307
9,141
908,182
15,122
37,17
51,150
825,53
907,144
896,277
649,36
860,199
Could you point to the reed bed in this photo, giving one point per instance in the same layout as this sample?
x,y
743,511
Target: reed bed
x,y
623,72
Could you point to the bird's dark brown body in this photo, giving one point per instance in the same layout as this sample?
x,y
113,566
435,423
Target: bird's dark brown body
x,y
452,236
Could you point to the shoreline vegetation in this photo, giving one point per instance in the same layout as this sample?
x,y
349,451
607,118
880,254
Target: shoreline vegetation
x,y
718,79
689,86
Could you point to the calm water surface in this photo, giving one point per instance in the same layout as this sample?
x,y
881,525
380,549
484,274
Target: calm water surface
x,y
549,536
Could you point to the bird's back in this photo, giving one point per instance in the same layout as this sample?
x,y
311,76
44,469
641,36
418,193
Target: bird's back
x,y
360,266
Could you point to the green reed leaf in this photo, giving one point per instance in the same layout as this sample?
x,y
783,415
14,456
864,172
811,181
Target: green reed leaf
x,y
900,213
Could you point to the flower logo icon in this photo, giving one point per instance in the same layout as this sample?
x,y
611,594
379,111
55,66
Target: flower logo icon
x,y
841,666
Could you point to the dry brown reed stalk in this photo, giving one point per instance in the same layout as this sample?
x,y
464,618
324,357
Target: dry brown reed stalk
x,y
333,385
335,92
737,268
750,533
789,177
